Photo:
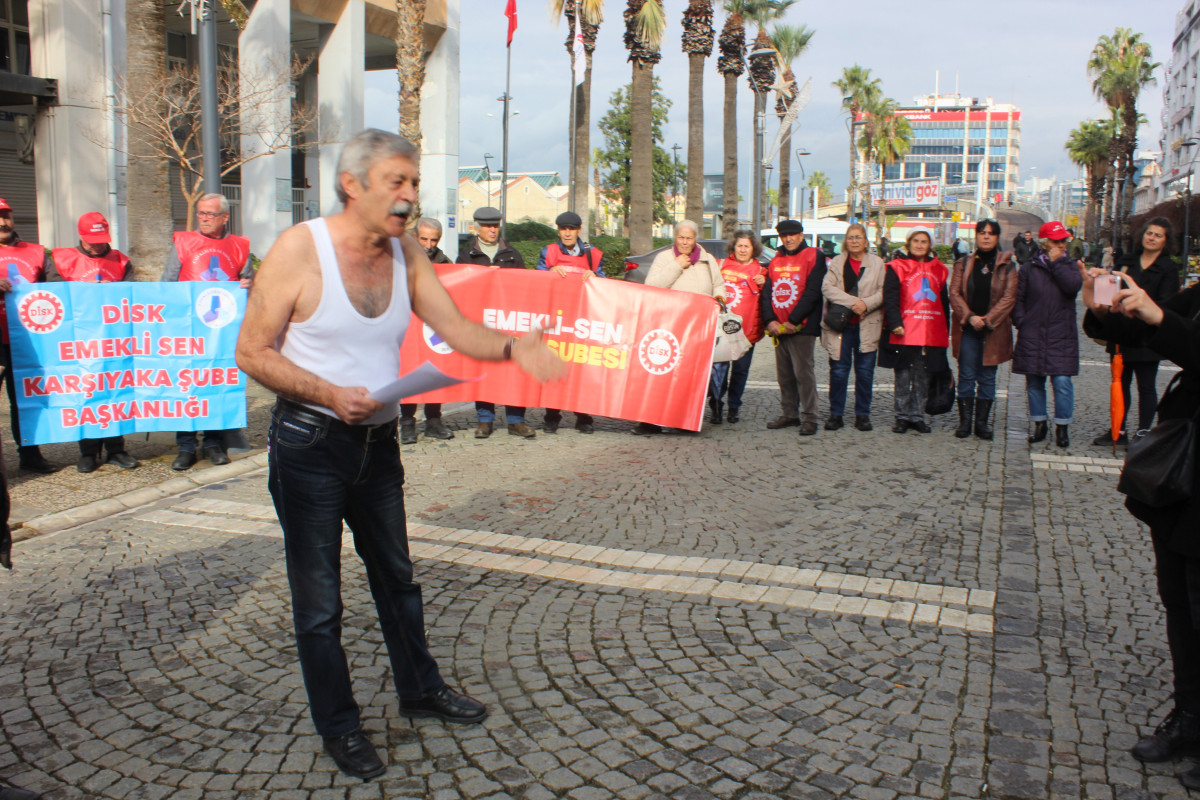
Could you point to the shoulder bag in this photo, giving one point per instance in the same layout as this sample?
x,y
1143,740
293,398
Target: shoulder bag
x,y
1160,464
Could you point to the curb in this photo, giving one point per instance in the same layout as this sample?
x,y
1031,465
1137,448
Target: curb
x,y
90,512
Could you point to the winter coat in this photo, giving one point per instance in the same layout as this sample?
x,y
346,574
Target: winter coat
x,y
438,257
998,340
870,291
1177,339
506,256
1161,282
1044,315
704,277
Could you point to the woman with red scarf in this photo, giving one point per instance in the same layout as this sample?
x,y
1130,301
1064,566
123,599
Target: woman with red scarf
x,y
744,276
917,312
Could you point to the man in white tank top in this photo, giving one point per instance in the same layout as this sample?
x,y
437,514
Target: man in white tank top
x,y
323,328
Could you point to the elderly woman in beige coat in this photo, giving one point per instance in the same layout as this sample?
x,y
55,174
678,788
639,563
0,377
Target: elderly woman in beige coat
x,y
688,267
853,279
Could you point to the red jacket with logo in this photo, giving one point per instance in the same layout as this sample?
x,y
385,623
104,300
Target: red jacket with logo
x,y
203,258
792,292
922,303
23,263
73,264
742,295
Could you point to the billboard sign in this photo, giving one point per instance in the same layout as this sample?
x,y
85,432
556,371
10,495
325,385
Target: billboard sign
x,y
714,193
916,193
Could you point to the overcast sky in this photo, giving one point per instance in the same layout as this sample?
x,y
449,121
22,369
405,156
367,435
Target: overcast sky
x,y
1032,53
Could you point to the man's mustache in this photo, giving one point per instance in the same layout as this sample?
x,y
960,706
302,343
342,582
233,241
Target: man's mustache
x,y
402,209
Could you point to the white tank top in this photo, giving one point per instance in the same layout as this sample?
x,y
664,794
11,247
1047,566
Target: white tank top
x,y
339,344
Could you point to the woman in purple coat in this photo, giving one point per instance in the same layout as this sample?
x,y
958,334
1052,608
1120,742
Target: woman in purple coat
x,y
1047,338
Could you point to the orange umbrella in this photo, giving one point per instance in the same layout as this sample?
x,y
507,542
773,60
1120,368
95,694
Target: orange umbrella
x,y
1116,397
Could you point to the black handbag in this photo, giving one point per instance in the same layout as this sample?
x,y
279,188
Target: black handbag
x,y
1160,464
940,394
837,317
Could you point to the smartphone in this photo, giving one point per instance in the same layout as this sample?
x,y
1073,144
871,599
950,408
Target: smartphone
x,y
1106,289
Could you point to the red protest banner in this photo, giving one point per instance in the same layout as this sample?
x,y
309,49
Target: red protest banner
x,y
636,353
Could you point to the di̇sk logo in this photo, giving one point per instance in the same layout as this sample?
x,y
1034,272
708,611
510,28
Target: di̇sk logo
x,y
216,307
659,351
783,292
40,312
436,343
733,293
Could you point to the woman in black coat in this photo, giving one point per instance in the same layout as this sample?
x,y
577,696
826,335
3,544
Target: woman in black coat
x,y
1171,331
1153,269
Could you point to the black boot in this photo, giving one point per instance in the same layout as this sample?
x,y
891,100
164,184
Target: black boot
x,y
966,410
983,419
1179,733
717,408
1040,429
1060,436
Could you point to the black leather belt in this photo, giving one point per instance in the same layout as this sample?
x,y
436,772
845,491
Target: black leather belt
x,y
310,416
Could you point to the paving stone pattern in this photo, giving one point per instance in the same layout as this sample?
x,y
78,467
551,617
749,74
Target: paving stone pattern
x,y
740,613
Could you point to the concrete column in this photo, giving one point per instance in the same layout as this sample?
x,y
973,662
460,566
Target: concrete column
x,y
340,92
72,140
264,53
439,133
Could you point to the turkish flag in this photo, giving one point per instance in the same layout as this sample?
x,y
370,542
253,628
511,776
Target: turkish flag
x,y
636,352
510,11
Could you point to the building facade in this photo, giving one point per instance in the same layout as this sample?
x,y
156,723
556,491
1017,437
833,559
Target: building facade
x,y
1180,139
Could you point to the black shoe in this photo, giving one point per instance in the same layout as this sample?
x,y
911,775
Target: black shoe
x,y
733,415
32,460
717,409
445,704
436,429
646,429
354,755
1189,778
1105,439
920,426
550,424
900,426
585,427
183,461
966,416
1061,436
87,464
1177,734
215,455
408,430
1040,429
126,461
863,423
983,420
834,423
8,792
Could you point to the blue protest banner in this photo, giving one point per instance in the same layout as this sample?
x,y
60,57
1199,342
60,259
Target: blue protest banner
x,y
92,360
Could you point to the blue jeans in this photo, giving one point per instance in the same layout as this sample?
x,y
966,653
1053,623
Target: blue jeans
x,y
1064,398
971,371
839,375
321,473
486,412
736,373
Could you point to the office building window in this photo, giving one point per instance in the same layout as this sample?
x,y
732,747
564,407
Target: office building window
x,y
954,173
912,170
891,172
933,169
14,36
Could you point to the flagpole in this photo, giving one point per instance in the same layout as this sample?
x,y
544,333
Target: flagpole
x,y
504,185
571,145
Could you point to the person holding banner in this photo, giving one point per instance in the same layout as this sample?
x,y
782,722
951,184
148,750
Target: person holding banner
x,y
569,256
744,277
917,313
333,301
209,253
487,249
429,234
854,280
23,263
94,261
791,301
687,267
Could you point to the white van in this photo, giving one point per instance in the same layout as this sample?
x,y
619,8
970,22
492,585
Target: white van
x,y
828,234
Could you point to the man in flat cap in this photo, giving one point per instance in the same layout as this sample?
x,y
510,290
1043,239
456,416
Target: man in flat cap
x,y
487,249
569,256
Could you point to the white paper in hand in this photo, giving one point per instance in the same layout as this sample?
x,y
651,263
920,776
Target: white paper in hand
x,y
424,378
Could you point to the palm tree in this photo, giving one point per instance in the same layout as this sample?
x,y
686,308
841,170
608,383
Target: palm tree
x,y
819,183
762,75
410,65
644,24
1120,68
789,42
858,90
589,26
1088,146
731,64
886,138
698,44
147,182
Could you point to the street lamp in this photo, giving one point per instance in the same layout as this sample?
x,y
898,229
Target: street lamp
x,y
804,177
853,164
760,125
675,185
487,168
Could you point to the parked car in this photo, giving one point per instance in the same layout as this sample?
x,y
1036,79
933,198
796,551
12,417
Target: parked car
x,y
637,267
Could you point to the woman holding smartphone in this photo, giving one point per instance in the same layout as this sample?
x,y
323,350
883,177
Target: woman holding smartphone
x,y
1171,331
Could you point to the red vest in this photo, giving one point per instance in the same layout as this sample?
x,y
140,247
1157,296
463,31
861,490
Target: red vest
x,y
741,295
788,275
22,262
586,261
75,265
921,287
206,259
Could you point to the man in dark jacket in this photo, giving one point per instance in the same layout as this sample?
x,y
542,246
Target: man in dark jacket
x,y
791,305
1025,248
487,249
429,234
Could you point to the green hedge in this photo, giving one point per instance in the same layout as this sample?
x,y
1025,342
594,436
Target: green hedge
x,y
615,249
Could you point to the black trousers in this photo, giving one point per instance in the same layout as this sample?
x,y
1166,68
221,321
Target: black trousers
x,y
10,387
1179,588
432,410
1146,373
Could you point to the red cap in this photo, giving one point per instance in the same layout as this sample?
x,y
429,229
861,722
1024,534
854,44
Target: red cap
x,y
93,228
4,206
1054,231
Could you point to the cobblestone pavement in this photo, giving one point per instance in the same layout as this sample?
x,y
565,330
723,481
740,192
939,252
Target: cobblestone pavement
x,y
740,613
